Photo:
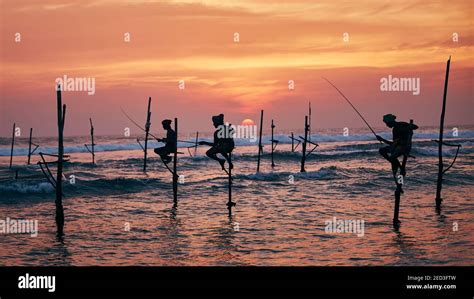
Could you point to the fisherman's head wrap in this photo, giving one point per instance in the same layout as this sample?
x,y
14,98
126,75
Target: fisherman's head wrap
x,y
388,118
166,122
218,119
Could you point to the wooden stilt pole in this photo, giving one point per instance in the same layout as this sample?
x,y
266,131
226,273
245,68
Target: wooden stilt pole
x,y
61,109
92,142
196,145
29,146
31,152
260,148
396,222
293,147
309,125
147,130
175,158
273,127
439,184
303,157
292,143
230,204
13,142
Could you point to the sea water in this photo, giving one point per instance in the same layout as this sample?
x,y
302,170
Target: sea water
x,y
117,215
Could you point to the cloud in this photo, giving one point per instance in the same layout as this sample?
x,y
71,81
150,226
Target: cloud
x,y
193,41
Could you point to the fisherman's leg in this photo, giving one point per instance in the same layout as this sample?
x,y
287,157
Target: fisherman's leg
x,y
385,152
167,153
227,157
166,158
394,160
163,153
212,153
396,164
390,153
160,151
403,171
225,150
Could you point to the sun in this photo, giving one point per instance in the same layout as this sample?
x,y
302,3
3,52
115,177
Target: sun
x,y
247,122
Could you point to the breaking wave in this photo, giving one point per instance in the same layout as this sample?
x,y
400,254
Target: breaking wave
x,y
421,137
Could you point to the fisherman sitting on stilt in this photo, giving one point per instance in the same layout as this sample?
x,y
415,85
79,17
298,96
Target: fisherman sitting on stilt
x,y
223,142
400,146
170,142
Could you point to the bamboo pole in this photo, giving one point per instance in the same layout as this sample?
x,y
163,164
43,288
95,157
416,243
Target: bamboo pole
x,y
61,109
196,145
29,146
147,130
31,152
175,158
260,148
13,142
46,171
309,126
292,143
273,127
303,157
230,204
92,142
439,184
396,209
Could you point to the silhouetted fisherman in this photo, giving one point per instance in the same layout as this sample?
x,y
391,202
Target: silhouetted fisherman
x,y
223,142
170,142
400,146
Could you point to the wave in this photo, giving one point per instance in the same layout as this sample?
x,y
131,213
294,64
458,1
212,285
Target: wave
x,y
319,138
465,136
339,153
81,187
331,172
133,184
318,155
120,183
353,179
72,149
24,188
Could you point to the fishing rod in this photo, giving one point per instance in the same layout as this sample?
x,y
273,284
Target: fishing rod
x,y
192,142
141,128
353,107
136,124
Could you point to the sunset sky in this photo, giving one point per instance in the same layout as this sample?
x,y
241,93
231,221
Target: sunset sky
x,y
194,41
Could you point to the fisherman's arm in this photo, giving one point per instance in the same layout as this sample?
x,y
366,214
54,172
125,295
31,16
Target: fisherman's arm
x,y
381,139
164,140
216,141
170,137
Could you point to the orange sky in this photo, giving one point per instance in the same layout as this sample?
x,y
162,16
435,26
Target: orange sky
x,y
193,41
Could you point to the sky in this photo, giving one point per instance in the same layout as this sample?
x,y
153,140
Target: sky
x,y
234,57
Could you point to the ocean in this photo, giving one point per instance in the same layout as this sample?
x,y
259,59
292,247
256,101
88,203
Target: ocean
x,y
117,215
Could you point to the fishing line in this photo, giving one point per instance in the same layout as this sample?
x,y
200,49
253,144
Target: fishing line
x,y
141,128
353,107
136,124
